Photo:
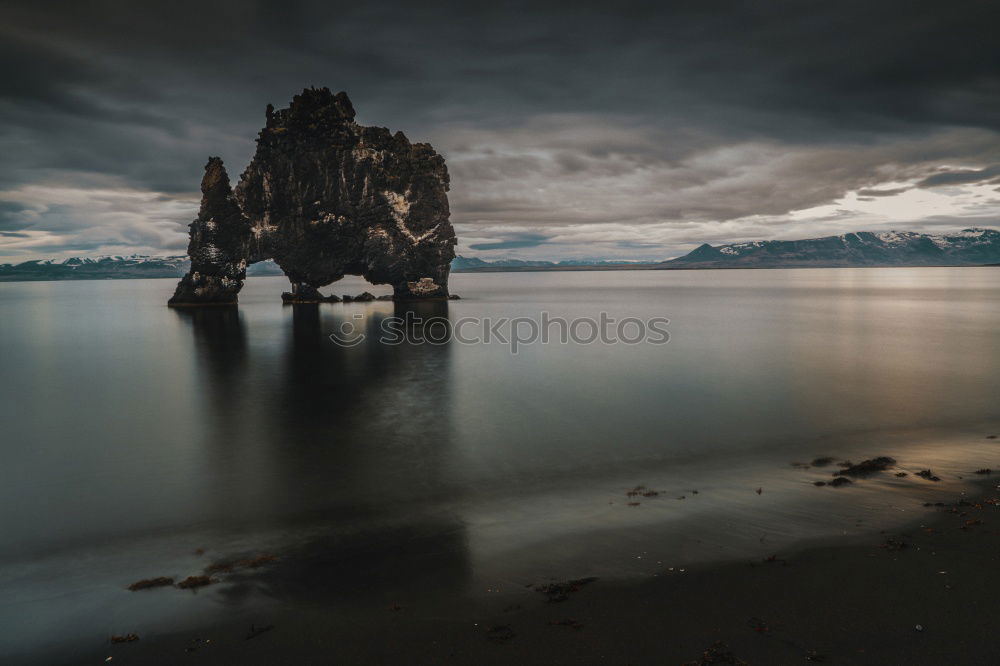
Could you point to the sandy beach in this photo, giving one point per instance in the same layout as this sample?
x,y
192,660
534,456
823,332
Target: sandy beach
x,y
924,594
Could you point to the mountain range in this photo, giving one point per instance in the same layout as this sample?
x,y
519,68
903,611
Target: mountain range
x,y
969,247
462,264
111,268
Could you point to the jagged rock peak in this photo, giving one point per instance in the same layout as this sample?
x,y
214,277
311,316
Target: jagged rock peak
x,y
325,197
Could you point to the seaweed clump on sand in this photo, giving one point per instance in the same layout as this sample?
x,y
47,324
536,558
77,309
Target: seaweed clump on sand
x,y
146,583
194,582
560,591
866,467
248,563
127,638
717,653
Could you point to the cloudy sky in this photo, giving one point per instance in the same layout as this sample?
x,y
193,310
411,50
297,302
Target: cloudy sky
x,y
616,129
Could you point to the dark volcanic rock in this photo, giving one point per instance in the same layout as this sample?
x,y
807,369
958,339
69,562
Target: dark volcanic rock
x,y
324,197
307,294
219,245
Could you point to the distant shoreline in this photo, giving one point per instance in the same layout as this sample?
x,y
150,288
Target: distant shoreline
x,y
512,269
661,267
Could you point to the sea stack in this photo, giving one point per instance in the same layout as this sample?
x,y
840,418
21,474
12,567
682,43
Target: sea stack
x,y
324,197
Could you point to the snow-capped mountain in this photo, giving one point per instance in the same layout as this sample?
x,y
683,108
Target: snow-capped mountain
x,y
462,264
865,248
115,267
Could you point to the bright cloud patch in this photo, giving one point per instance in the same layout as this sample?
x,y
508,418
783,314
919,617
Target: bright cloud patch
x,y
59,220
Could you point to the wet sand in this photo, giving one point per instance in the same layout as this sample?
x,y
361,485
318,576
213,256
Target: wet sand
x,y
859,600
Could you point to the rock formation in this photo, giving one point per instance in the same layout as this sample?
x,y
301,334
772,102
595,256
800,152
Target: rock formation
x,y
324,197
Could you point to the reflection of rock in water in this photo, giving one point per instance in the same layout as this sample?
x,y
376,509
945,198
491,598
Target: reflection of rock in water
x,y
368,381
219,334
348,445
373,404
220,338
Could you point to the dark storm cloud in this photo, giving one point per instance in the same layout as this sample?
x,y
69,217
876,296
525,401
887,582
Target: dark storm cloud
x,y
882,193
961,177
514,241
12,216
648,97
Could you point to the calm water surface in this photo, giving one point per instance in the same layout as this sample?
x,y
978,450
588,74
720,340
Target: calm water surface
x,y
134,435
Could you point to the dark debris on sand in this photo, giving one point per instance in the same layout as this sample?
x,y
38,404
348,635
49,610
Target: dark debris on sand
x,y
500,633
718,653
560,591
927,474
147,583
194,582
247,563
866,467
568,622
256,631
894,545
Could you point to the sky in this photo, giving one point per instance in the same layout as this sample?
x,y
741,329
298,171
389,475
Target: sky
x,y
616,130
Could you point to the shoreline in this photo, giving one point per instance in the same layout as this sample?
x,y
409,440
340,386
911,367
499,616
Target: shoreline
x,y
656,266
857,602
